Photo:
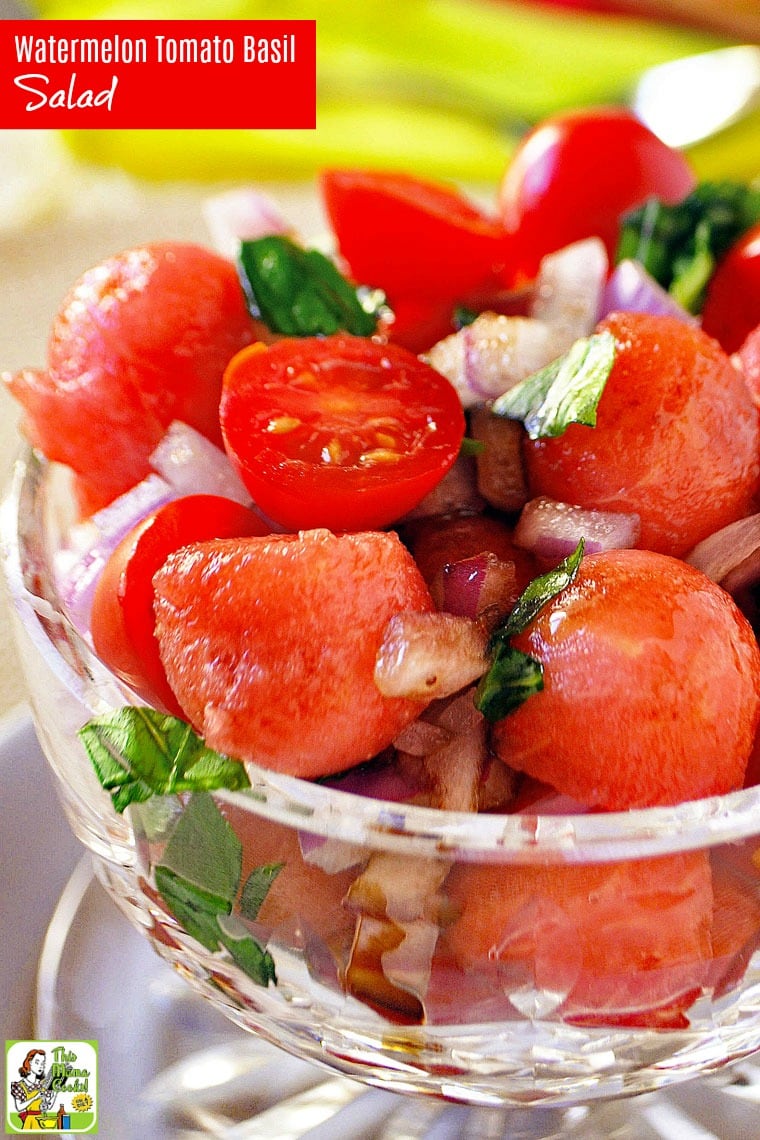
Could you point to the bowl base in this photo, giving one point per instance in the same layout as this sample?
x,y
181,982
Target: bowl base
x,y
171,1066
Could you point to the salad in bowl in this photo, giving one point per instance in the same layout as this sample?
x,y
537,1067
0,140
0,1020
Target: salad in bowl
x,y
389,616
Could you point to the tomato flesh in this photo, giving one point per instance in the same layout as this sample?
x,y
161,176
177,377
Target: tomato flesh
x,y
122,619
270,644
676,441
141,339
621,942
575,174
651,687
409,236
338,432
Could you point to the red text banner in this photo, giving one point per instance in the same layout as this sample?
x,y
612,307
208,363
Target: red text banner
x,y
161,74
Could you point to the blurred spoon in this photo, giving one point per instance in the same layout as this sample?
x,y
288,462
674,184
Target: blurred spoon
x,y
692,98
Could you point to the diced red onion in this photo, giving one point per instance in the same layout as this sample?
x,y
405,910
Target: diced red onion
x,y
193,465
331,855
421,737
378,782
78,565
428,656
485,359
552,530
455,769
242,214
396,887
471,586
569,288
461,583
731,556
632,289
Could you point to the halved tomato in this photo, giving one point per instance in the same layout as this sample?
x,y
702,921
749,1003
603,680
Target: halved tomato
x,y
732,306
407,235
122,618
338,432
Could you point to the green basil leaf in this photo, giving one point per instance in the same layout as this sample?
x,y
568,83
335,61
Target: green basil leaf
x,y
680,245
256,888
139,752
246,951
565,392
513,676
198,879
204,854
300,292
464,316
195,914
536,594
470,447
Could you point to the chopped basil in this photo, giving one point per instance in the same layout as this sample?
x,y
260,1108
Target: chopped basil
x,y
464,316
139,752
300,292
256,888
680,245
246,952
565,392
470,446
198,879
513,676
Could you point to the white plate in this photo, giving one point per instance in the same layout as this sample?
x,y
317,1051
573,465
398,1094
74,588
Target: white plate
x,y
172,1068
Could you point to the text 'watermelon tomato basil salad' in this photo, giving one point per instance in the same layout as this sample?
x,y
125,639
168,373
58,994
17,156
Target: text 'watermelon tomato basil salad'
x,y
463,514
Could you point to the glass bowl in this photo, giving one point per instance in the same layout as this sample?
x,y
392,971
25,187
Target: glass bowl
x,y
504,960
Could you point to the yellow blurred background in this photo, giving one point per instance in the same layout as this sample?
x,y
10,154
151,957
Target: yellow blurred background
x,y
443,87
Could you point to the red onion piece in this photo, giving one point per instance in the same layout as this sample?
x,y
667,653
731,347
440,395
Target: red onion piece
x,y
78,565
569,288
552,530
632,289
377,781
462,583
242,214
430,655
472,586
193,465
488,357
731,556
455,769
421,737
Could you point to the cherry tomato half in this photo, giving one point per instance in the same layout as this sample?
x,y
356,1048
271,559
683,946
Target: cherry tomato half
x,y
732,306
122,619
338,432
405,235
575,174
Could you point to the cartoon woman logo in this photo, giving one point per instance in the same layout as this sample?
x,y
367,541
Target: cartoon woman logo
x,y
32,1094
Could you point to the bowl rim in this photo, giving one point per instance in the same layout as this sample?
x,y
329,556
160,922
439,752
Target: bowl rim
x,y
332,813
